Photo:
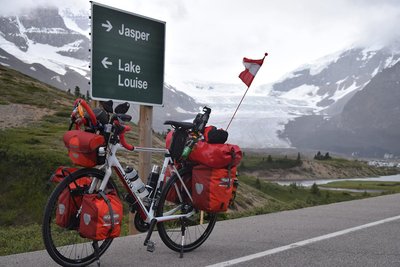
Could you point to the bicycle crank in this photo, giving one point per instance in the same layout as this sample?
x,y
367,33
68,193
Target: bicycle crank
x,y
140,225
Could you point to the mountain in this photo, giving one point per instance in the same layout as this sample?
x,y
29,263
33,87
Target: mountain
x,y
289,113
329,83
52,46
368,125
274,115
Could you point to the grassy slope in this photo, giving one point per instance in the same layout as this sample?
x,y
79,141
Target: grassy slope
x,y
281,168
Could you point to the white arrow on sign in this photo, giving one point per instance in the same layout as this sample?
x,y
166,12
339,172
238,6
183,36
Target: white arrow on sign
x,y
108,26
105,62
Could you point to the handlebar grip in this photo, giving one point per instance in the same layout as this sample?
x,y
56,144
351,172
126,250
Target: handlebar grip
x,y
123,140
88,110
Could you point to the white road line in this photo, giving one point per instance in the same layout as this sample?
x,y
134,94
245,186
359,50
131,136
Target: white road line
x,y
301,243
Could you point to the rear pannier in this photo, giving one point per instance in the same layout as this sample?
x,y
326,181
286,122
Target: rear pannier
x,y
216,155
83,147
212,188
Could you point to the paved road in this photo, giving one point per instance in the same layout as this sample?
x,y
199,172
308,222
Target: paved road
x,y
357,233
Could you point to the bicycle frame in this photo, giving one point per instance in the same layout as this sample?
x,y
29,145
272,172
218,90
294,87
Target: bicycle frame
x,y
148,214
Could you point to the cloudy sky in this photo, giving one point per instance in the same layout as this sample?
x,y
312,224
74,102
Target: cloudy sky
x,y
207,39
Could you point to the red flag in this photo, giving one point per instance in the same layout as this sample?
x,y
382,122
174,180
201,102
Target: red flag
x,y
252,66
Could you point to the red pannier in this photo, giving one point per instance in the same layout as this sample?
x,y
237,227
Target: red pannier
x,y
83,147
216,155
212,188
69,203
101,216
61,173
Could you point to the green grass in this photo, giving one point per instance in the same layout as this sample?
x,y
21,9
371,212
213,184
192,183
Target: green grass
x,y
291,197
388,187
257,163
19,88
18,239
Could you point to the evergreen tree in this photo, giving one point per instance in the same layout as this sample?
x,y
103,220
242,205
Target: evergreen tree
x,y
87,95
77,91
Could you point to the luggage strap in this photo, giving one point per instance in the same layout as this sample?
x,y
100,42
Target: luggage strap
x,y
233,155
107,200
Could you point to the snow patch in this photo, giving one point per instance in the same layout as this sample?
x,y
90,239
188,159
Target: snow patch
x,y
57,78
180,110
71,24
43,54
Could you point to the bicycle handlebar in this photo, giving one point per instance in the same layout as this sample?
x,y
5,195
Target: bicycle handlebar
x,y
92,116
121,135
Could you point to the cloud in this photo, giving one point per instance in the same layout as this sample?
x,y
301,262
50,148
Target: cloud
x,y
207,39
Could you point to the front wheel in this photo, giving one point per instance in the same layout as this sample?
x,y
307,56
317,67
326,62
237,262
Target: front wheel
x,y
175,200
60,235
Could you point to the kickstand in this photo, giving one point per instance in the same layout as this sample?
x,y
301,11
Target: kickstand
x,y
95,245
147,242
183,228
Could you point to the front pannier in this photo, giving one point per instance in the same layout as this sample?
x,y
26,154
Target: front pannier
x,y
212,188
216,155
61,172
83,147
69,203
101,216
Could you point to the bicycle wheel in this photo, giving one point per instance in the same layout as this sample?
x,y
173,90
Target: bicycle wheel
x,y
198,227
64,244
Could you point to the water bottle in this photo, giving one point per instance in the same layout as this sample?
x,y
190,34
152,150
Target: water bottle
x,y
186,152
136,182
153,177
188,148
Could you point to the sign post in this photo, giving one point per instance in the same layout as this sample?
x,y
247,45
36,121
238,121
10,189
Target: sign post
x,y
127,64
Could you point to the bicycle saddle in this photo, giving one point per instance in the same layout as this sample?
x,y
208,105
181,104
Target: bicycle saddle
x,y
178,124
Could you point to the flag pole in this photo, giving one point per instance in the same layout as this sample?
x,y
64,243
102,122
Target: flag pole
x,y
237,108
246,81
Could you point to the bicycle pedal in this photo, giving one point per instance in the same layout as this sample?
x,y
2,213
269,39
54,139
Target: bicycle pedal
x,y
151,246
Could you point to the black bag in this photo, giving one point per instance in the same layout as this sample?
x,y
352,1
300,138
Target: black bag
x,y
213,135
179,138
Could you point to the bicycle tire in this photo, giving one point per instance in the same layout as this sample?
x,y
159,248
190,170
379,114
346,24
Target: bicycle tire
x,y
170,232
67,247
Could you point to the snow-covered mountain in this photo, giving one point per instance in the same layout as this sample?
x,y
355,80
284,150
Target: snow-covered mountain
x,y
368,125
53,46
321,88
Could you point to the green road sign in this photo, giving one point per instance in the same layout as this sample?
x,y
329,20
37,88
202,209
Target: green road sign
x,y
127,56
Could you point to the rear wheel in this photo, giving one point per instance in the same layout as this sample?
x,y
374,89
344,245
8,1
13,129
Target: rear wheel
x,y
198,227
63,243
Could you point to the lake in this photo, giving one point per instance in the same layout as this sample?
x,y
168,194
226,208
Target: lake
x,y
308,183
